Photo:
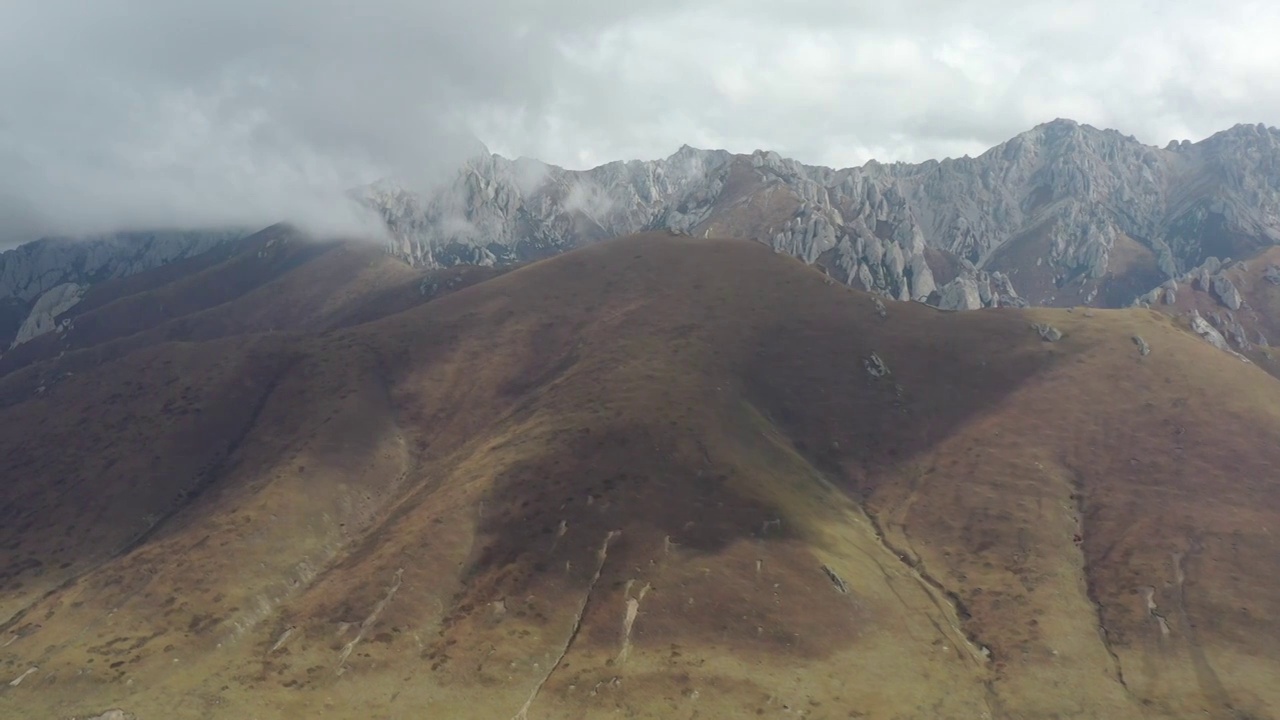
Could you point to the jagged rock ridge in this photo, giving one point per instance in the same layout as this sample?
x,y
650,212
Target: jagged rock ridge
x,y
1238,299
30,271
1062,214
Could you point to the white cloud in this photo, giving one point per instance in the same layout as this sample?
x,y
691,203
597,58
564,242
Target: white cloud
x,y
129,112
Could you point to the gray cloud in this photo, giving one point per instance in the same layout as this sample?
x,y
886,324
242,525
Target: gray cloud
x,y
127,113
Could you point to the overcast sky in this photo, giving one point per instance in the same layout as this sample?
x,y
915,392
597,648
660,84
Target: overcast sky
x,y
172,112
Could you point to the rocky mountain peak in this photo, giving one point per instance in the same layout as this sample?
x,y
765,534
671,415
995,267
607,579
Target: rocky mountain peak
x,y
1064,213
1246,132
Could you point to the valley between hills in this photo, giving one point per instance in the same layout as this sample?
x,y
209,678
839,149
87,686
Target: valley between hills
x,y
654,477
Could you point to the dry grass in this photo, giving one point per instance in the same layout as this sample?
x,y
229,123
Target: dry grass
x,y
751,205
411,516
1131,271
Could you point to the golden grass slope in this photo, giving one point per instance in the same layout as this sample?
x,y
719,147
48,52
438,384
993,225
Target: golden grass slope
x,y
649,478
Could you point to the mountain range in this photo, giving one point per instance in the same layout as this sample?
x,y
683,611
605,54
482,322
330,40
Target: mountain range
x,y
657,476
520,461
1064,214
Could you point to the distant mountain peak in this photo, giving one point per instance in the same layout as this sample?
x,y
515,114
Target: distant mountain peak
x,y
1062,214
1061,123
1039,218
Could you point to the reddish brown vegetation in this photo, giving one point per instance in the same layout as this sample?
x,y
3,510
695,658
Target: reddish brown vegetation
x,y
408,502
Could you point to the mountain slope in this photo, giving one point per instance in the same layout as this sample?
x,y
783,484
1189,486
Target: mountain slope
x,y
1064,214
659,476
29,271
1061,215
1239,300
274,280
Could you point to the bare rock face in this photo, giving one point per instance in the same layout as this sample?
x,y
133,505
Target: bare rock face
x,y
960,294
1204,329
1232,329
1166,294
877,227
1001,290
1226,292
875,366
44,313
978,289
29,271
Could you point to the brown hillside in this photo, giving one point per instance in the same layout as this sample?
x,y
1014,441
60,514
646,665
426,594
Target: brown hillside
x,y
650,478
752,204
1131,270
274,280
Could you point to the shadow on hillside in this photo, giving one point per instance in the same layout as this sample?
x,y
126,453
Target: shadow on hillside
x,y
810,378
765,328
799,355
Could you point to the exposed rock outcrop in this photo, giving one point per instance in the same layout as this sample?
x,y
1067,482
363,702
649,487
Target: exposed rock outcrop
x,y
1047,332
1226,292
1144,349
44,313
1204,329
29,271
909,232
875,366
960,294
1231,328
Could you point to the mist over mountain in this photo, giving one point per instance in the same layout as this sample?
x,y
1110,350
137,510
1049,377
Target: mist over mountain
x,y
986,436
657,475
653,360
1062,214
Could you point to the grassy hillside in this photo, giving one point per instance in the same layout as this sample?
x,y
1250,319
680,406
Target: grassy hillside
x,y
655,477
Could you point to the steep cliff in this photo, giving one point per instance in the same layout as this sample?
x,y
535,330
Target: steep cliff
x,y
29,271
1063,214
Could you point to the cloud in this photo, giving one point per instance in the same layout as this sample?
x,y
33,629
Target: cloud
x,y
148,112
129,113
589,199
840,83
